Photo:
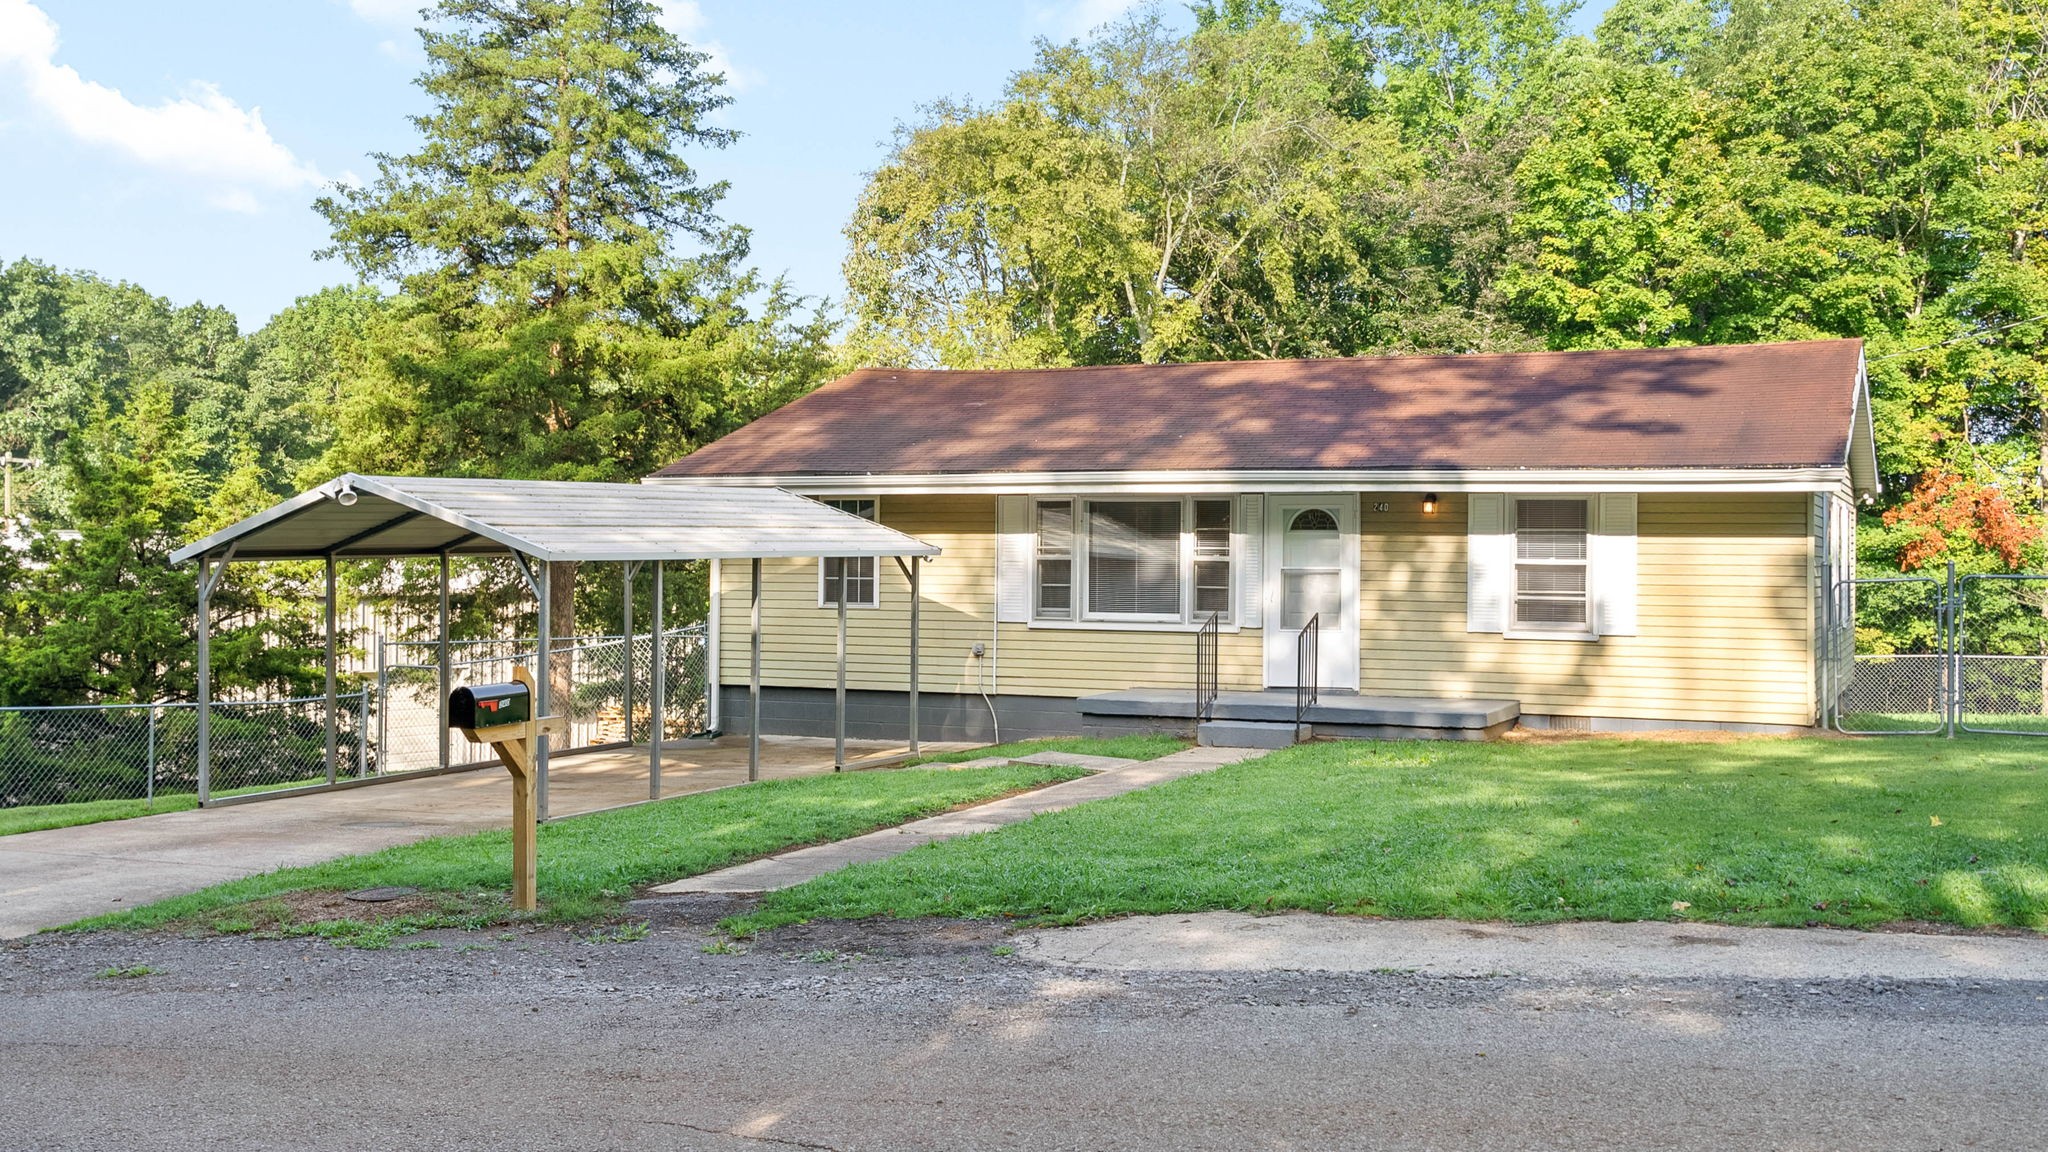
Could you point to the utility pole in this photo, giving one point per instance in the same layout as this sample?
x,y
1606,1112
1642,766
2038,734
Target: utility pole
x,y
8,463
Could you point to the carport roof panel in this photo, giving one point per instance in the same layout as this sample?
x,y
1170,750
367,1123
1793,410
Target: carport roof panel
x,y
550,520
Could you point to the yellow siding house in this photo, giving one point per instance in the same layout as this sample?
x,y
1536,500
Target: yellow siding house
x,y
1603,540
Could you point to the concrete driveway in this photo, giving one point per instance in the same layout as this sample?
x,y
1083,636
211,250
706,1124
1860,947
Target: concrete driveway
x,y
54,877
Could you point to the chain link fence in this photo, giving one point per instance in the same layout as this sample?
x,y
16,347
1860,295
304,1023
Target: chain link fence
x,y
2001,647
605,708
1880,690
390,726
68,755
1959,654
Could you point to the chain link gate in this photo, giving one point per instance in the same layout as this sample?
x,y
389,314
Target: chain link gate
x,y
2001,665
1889,692
1974,656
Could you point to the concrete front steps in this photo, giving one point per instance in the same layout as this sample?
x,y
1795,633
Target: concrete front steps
x,y
1252,733
1243,717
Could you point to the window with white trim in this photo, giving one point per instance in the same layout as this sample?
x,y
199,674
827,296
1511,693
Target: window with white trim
x,y
1551,591
1054,575
862,589
1132,559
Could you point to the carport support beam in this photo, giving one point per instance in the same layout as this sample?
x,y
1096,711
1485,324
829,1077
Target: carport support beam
x,y
332,704
543,681
912,569
839,689
447,674
210,572
659,704
754,679
627,570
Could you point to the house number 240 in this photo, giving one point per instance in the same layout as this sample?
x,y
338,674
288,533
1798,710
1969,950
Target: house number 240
x,y
1382,507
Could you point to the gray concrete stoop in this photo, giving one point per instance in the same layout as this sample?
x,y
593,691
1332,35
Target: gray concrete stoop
x,y
1112,777
1253,733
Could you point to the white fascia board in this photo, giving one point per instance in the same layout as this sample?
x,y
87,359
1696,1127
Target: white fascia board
x,y
1863,435
1485,480
361,486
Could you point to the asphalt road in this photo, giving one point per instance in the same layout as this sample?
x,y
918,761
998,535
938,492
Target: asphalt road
x,y
935,1036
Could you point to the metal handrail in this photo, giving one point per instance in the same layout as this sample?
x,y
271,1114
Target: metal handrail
x,y
1307,663
1207,672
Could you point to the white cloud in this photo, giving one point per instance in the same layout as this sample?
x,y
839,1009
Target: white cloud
x,y
201,134
685,18
1080,17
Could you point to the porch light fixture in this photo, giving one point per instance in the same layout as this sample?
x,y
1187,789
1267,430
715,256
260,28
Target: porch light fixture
x,y
1429,504
347,496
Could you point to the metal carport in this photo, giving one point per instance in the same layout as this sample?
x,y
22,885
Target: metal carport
x,y
536,523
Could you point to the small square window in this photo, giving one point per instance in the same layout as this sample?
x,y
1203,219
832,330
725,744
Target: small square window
x,y
858,571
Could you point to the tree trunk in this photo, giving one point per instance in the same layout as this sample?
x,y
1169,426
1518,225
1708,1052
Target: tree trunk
x,y
562,622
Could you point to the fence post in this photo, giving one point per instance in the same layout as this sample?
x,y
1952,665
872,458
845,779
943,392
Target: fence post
x,y
383,699
149,759
362,730
1953,603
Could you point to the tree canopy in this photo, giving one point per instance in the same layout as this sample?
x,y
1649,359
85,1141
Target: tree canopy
x,y
1365,176
546,287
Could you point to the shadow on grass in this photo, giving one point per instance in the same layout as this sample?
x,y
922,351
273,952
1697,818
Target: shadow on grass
x,y
1757,831
589,864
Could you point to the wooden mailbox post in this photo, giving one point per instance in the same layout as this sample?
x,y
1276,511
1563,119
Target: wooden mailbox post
x,y
514,738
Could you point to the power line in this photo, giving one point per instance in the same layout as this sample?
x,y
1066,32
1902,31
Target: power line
x,y
1960,339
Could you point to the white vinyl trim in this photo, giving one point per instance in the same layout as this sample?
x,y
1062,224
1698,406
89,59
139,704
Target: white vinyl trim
x,y
1611,557
1249,549
1015,559
1489,562
1513,480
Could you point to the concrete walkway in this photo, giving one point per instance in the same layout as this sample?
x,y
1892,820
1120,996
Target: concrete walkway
x,y
1113,777
54,877
1304,942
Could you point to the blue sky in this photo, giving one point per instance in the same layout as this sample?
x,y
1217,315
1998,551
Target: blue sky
x,y
180,145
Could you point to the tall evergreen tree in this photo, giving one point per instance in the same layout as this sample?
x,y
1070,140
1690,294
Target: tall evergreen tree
x,y
571,305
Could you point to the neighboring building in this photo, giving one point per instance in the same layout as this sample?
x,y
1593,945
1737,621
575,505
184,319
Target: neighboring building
x,y
1608,539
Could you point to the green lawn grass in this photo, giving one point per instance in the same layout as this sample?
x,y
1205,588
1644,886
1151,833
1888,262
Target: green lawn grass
x,y
589,864
1752,831
37,817
1136,746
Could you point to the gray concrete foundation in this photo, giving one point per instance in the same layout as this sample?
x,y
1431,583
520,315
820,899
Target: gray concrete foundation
x,y
941,716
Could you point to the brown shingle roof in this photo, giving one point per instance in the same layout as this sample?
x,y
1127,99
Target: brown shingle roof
x,y
1749,406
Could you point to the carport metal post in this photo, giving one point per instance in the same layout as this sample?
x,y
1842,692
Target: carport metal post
x,y
627,570
839,689
754,680
447,674
210,572
543,682
911,570
659,686
332,704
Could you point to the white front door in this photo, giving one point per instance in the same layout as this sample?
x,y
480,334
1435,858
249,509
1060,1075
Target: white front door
x,y
1311,552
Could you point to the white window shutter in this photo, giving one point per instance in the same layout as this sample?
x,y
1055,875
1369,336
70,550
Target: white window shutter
x,y
1013,559
1251,559
1613,563
1489,563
